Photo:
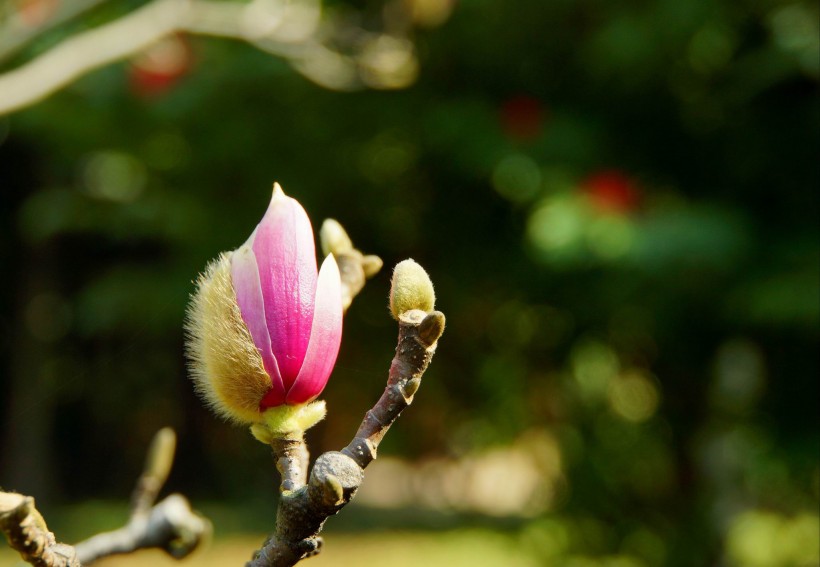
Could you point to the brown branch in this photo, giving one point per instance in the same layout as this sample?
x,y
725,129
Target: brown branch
x,y
27,533
292,456
87,51
268,26
170,525
336,476
418,333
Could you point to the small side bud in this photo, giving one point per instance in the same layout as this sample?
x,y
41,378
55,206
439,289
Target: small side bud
x,y
161,455
334,238
371,265
410,288
411,387
431,328
333,492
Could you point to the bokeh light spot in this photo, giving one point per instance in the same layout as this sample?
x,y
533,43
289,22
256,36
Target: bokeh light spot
x,y
548,537
158,68
431,13
739,376
796,29
556,224
759,538
113,176
594,365
647,545
610,237
388,63
517,178
633,396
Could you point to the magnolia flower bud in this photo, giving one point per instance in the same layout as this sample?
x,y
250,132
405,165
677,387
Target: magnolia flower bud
x,y
410,288
264,328
334,238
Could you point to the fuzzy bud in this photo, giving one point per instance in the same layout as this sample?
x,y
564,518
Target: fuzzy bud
x,y
410,288
264,328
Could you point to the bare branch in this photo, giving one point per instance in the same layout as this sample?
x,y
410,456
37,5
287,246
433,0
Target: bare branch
x,y
336,476
291,461
16,33
287,29
170,525
418,333
85,52
27,533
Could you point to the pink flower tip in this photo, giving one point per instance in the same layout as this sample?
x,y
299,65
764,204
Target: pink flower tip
x,y
293,313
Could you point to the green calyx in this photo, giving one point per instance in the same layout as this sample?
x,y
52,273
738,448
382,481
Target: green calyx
x,y
286,420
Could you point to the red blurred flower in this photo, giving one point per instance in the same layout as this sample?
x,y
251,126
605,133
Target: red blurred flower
x,y
612,191
522,118
158,68
36,12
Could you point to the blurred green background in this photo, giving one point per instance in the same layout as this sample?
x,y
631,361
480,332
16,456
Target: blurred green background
x,y
616,201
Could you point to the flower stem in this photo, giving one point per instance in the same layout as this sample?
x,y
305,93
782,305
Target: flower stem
x,y
292,458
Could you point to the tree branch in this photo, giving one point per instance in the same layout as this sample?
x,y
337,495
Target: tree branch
x,y
286,29
170,525
418,333
336,476
90,50
16,33
292,459
27,533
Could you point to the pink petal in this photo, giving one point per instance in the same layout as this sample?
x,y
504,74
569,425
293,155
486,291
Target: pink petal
x,y
245,278
286,257
325,336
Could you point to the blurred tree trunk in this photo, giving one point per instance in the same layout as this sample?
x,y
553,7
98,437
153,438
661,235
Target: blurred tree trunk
x,y
26,399
28,418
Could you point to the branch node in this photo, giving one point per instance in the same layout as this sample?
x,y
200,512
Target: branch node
x,y
334,480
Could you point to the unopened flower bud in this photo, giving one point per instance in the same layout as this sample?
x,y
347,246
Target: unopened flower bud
x,y
334,238
264,328
410,288
371,265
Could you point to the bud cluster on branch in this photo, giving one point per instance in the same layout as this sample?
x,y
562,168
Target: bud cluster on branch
x,y
264,329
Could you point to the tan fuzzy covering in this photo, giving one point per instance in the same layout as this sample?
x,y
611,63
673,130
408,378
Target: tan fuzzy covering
x,y
410,288
224,363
